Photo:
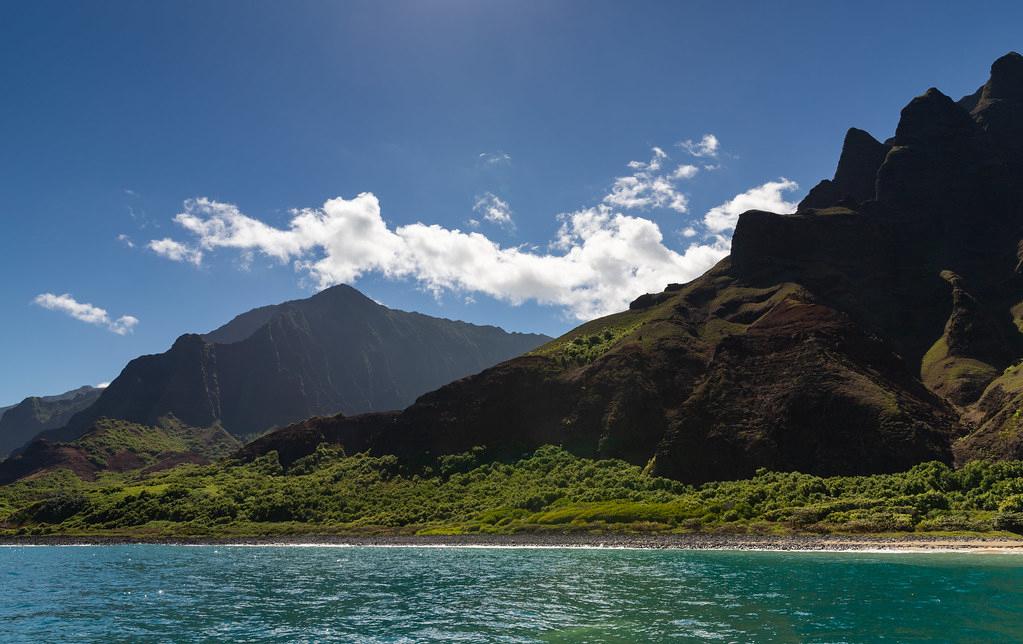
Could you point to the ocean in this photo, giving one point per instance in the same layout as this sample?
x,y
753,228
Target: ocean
x,y
163,593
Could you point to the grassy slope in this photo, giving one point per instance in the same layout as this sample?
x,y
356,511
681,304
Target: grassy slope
x,y
549,490
108,437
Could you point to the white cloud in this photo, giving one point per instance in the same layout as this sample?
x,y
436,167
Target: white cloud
x,y
176,251
102,385
647,188
493,209
684,171
763,197
600,259
706,147
126,240
606,259
495,158
86,312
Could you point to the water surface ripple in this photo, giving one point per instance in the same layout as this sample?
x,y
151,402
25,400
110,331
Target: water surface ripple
x,y
321,594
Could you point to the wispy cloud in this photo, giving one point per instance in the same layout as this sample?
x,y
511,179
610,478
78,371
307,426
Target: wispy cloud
x,y
85,312
707,146
648,187
684,171
126,240
175,251
495,158
493,209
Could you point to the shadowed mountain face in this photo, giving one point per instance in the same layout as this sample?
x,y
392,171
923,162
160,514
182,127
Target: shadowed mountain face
x,y
875,328
337,351
22,422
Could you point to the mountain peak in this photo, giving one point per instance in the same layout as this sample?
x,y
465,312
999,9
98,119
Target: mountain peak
x,y
856,176
931,116
1006,80
335,351
342,293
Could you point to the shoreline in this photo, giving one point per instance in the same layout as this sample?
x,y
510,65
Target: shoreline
x,y
794,543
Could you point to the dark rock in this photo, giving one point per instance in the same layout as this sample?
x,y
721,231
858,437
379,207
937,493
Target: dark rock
x,y
855,177
822,195
647,300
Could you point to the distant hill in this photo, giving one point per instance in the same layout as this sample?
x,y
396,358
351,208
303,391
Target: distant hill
x,y
337,351
877,327
120,446
22,422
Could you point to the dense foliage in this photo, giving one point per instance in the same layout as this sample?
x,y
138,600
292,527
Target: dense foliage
x,y
329,493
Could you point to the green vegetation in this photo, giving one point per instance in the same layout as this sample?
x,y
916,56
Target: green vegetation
x,y
584,349
592,340
549,490
110,438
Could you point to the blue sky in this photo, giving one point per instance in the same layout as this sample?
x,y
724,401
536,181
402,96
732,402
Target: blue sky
x,y
117,117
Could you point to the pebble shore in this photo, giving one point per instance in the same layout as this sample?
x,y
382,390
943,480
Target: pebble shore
x,y
680,541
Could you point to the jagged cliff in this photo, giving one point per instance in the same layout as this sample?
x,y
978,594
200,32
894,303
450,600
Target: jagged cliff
x,y
877,327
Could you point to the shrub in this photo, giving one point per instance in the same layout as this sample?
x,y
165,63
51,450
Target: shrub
x,y
55,509
1009,521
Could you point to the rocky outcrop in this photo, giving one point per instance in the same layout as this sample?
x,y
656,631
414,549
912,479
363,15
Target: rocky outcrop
x,y
856,176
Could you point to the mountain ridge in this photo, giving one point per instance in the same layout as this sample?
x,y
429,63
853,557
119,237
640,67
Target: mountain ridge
x,y
875,328
24,421
335,351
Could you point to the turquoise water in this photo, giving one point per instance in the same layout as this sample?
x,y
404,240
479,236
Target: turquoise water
x,y
270,593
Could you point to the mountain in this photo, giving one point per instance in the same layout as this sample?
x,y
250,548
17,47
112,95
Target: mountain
x,y
877,327
120,446
337,351
22,422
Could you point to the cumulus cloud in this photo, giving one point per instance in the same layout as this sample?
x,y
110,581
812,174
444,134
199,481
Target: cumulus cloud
x,y
601,258
176,251
493,209
85,312
706,147
768,197
126,240
604,258
647,187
